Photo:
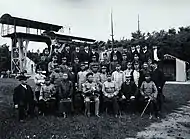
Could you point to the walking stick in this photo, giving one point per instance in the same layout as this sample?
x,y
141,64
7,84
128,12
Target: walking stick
x,y
145,107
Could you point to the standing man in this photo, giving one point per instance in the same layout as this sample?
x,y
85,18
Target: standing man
x,y
159,80
23,98
117,53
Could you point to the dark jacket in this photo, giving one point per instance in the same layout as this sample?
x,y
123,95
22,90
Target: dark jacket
x,y
119,56
74,55
65,89
145,56
128,90
96,54
67,55
22,96
85,56
158,78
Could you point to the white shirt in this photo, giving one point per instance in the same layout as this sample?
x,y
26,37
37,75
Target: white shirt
x,y
24,86
144,51
155,55
136,76
118,78
127,72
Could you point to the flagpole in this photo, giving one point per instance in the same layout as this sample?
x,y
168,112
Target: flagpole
x,y
112,28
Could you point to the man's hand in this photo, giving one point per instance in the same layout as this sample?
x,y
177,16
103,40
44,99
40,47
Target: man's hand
x,y
16,106
123,97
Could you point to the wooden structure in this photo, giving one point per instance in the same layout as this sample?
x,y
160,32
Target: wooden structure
x,y
174,68
44,32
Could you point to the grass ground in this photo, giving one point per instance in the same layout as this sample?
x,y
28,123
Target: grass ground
x,y
79,126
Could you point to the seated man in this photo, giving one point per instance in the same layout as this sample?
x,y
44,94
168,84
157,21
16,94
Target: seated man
x,y
129,91
65,92
110,92
91,92
149,92
47,97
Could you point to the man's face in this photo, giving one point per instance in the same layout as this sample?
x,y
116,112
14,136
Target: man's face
x,y
103,48
132,48
46,52
93,58
67,48
77,49
65,76
129,65
124,57
145,65
114,57
118,68
136,66
145,48
155,66
54,59
136,57
115,48
70,68
109,78
43,58
83,67
147,78
90,78
138,47
76,60
86,48
127,80
55,50
104,70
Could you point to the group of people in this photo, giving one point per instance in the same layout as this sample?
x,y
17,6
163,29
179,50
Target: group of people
x,y
67,81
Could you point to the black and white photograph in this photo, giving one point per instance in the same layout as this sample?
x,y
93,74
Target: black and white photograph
x,y
94,69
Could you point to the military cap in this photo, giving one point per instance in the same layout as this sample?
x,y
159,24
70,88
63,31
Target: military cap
x,y
88,74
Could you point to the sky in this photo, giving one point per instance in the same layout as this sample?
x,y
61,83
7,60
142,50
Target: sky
x,y
91,18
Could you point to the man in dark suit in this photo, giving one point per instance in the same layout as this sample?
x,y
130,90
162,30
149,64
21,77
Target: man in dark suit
x,y
94,53
23,98
159,80
76,54
85,55
145,54
67,53
117,53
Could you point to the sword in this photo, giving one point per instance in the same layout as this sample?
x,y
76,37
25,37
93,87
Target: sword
x,y
145,107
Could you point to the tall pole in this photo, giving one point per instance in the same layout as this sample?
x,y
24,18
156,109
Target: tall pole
x,y
112,28
138,24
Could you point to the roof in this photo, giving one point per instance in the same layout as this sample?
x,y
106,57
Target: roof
x,y
10,20
170,57
30,37
67,37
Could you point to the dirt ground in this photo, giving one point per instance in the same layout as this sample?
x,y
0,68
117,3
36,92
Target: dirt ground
x,y
106,127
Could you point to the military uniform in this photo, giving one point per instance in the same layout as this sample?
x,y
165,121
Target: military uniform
x,y
90,92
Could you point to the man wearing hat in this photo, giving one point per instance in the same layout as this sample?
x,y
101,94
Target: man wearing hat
x,y
76,53
159,79
90,91
149,91
23,98
110,92
47,97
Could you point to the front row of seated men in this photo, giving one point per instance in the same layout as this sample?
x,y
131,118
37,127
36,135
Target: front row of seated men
x,y
60,98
